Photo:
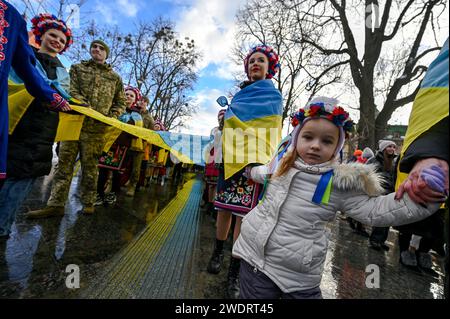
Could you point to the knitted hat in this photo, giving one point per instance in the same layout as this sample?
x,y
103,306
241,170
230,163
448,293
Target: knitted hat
x,y
138,96
161,125
221,113
272,56
367,153
327,108
103,44
46,21
383,144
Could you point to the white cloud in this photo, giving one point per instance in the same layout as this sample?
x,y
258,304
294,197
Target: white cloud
x,y
211,23
107,12
206,117
127,7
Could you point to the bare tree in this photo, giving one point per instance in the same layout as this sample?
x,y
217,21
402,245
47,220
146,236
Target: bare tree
x,y
163,67
120,44
394,80
152,58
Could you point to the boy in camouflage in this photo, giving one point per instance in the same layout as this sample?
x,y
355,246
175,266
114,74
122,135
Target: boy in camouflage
x,y
95,83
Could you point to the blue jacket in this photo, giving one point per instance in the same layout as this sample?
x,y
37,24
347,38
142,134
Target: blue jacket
x,y
15,52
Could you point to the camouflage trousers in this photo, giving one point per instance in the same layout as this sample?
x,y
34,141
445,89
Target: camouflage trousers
x,y
136,169
89,146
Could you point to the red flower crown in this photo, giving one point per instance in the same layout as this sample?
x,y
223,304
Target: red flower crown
x,y
337,115
46,21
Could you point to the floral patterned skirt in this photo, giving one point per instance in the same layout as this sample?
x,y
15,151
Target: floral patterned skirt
x,y
236,194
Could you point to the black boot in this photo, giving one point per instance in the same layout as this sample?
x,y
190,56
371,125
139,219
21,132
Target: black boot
x,y
233,279
215,263
209,208
212,211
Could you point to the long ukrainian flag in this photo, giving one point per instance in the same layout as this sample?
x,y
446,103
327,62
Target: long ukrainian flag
x,y
252,126
186,148
430,105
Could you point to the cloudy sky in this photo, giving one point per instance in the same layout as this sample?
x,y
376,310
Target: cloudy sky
x,y
209,22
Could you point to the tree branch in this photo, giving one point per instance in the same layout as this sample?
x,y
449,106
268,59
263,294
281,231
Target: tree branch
x,y
398,22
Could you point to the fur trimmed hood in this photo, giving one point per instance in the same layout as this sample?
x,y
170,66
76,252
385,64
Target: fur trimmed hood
x,y
360,177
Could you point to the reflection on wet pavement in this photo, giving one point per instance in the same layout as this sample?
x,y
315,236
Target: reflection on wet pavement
x,y
345,271
33,261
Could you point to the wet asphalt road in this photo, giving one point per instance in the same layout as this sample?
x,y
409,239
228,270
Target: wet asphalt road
x,y
33,261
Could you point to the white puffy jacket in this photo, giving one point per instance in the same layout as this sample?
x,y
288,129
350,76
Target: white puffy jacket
x,y
285,236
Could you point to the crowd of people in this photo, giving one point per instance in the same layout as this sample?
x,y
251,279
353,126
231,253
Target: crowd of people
x,y
28,150
277,204
279,240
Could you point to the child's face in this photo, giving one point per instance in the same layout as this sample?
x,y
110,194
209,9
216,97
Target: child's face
x,y
317,141
258,66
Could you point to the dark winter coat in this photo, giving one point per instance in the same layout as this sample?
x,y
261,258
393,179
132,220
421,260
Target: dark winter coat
x,y
433,143
388,176
30,146
16,53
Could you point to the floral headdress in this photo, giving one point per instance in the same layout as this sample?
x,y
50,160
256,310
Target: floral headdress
x,y
138,94
324,109
272,56
221,113
46,21
160,124
321,107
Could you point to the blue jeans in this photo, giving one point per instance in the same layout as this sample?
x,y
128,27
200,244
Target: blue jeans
x,y
12,194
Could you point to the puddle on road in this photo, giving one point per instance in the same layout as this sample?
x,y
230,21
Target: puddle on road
x,y
75,238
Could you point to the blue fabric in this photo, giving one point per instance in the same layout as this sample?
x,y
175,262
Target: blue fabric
x,y
12,194
192,146
17,53
437,74
263,95
61,83
321,187
126,117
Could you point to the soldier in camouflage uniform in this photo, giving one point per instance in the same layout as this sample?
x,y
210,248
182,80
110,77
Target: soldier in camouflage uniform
x,y
95,83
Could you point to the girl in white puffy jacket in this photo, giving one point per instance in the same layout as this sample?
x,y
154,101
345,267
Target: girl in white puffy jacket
x,y
283,241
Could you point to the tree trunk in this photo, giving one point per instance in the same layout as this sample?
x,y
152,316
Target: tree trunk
x,y
366,124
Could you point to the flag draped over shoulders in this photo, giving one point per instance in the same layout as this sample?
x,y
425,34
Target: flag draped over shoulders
x,y
252,126
430,105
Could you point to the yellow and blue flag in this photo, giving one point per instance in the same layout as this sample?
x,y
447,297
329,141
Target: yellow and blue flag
x,y
185,147
252,126
430,105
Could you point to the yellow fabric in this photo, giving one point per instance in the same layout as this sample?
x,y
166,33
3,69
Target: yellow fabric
x,y
18,102
263,136
112,133
70,127
147,151
430,107
162,157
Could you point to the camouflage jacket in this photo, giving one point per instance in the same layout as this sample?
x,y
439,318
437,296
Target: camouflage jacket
x,y
99,86
149,122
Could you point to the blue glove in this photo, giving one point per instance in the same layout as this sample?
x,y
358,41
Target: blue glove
x,y
434,177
